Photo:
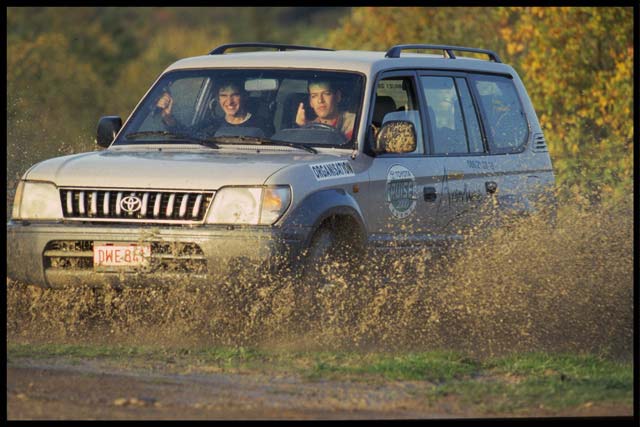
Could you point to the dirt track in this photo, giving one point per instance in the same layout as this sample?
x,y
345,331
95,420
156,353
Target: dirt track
x,y
89,390
55,389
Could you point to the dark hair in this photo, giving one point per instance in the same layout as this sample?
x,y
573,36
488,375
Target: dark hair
x,y
236,84
323,81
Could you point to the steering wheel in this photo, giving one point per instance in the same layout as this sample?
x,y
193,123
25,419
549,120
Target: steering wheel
x,y
314,125
334,131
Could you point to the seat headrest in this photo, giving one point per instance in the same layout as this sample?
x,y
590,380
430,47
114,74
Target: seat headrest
x,y
384,105
295,98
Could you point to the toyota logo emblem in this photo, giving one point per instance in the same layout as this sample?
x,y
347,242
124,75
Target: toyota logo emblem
x,y
130,204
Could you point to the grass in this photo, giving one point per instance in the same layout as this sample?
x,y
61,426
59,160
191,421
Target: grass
x,y
429,366
503,385
70,351
517,383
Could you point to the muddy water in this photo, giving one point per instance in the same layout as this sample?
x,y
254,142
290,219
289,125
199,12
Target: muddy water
x,y
527,287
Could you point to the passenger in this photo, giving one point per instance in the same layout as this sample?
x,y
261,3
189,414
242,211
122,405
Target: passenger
x,y
232,99
324,99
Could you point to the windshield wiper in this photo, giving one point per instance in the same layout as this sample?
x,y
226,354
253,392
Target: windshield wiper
x,y
172,135
254,140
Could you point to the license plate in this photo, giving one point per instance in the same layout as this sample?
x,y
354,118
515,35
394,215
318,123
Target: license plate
x,y
108,256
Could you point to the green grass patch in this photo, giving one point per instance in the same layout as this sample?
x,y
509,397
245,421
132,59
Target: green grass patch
x,y
518,383
232,358
426,366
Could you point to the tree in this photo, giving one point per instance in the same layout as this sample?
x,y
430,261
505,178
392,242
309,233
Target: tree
x,y
53,99
379,28
577,64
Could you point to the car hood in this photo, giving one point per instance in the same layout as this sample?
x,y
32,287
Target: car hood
x,y
204,169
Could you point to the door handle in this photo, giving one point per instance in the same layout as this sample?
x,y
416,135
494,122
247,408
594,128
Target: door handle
x,y
429,194
491,187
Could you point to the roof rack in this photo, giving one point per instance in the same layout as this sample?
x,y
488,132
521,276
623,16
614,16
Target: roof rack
x,y
281,47
394,52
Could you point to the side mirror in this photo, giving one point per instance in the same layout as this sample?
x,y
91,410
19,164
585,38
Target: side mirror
x,y
397,136
108,127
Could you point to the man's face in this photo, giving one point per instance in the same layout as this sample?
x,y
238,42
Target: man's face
x,y
324,100
230,100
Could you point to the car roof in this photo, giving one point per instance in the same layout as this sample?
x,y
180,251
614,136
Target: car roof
x,y
367,62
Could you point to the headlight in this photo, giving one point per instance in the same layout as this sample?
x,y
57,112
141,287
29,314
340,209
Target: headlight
x,y
249,205
275,202
37,200
17,199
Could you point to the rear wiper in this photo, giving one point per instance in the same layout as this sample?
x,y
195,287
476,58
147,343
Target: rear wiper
x,y
172,135
266,141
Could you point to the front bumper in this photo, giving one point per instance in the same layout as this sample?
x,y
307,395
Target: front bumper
x,y
221,250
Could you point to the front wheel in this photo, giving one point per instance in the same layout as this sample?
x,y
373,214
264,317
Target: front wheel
x,y
328,259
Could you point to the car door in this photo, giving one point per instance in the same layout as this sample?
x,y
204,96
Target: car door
x,y
513,170
467,175
402,203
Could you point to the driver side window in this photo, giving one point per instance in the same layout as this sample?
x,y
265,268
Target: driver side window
x,y
396,100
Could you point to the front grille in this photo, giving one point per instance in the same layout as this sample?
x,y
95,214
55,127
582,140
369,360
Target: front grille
x,y
134,205
165,256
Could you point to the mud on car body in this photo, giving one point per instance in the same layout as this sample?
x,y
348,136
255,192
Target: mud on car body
x,y
435,139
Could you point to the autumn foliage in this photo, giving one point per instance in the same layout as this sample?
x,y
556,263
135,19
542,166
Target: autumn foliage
x,y
578,67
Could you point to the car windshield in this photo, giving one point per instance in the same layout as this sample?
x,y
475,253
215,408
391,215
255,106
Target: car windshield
x,y
218,107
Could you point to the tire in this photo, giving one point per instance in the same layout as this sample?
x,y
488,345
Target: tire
x,y
328,258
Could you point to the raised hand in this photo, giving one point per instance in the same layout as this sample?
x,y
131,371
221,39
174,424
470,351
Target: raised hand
x,y
301,119
165,103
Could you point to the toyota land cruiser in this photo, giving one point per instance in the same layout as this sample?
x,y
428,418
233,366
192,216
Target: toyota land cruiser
x,y
333,152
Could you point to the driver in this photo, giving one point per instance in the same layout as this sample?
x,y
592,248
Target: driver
x,y
324,99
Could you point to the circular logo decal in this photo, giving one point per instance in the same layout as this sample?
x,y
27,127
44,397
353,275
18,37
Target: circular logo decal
x,y
130,204
401,191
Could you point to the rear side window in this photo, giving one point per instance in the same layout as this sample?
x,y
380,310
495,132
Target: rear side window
x,y
506,121
452,116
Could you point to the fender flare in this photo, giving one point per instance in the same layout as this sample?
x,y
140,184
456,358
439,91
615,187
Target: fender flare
x,y
314,209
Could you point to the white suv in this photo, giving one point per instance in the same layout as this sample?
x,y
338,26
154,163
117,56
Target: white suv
x,y
281,159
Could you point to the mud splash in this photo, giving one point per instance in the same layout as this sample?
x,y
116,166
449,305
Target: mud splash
x,y
527,287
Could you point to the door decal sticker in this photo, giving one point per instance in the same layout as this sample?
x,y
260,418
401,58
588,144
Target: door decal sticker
x,y
401,192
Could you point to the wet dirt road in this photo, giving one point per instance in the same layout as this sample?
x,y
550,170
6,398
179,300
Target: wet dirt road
x,y
89,390
93,390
